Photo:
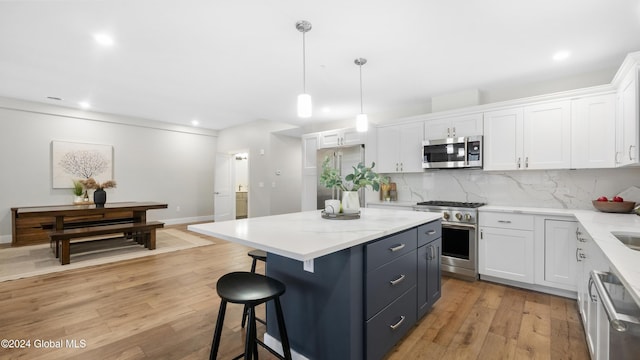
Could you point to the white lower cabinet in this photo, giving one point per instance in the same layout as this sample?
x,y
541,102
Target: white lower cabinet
x,y
506,246
555,251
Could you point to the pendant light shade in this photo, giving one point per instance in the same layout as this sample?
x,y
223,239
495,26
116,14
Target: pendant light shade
x,y
304,99
304,105
362,121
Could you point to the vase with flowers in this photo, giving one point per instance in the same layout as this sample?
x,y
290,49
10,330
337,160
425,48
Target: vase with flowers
x,y
361,177
99,195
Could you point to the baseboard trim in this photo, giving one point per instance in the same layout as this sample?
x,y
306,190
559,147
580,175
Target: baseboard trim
x,y
534,287
273,343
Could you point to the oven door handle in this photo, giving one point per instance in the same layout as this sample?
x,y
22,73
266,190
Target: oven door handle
x,y
458,226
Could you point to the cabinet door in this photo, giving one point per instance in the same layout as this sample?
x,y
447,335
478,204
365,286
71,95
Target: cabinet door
x,y
352,137
410,144
329,139
388,145
559,249
506,254
437,129
467,125
593,139
627,122
547,136
503,139
429,276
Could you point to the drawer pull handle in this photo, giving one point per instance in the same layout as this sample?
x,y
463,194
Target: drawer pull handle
x,y
431,232
396,248
395,326
504,221
398,280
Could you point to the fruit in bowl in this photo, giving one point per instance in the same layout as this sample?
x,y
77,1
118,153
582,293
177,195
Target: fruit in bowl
x,y
615,205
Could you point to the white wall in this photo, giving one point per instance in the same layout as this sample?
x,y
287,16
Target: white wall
x,y
287,160
257,137
150,164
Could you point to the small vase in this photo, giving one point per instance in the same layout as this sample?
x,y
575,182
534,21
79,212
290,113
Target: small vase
x,y
99,197
350,202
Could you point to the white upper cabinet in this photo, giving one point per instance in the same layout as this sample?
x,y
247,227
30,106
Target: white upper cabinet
x,y
592,132
503,139
457,126
533,137
341,137
627,131
547,136
400,148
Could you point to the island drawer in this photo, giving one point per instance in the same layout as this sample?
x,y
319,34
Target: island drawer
x,y
390,325
390,281
429,232
382,251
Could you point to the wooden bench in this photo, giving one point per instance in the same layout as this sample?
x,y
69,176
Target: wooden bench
x,y
143,233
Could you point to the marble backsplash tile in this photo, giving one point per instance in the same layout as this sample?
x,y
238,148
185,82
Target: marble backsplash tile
x,y
568,189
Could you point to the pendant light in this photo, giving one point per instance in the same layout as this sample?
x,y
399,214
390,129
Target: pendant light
x,y
304,99
362,122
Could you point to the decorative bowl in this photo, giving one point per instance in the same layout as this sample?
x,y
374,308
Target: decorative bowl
x,y
613,206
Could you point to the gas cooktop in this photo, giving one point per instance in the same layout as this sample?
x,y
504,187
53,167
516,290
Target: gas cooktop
x,y
459,204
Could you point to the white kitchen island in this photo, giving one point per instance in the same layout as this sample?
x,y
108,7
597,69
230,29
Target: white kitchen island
x,y
325,265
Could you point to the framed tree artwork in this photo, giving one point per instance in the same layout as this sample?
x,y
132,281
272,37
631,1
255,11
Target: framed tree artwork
x,y
78,161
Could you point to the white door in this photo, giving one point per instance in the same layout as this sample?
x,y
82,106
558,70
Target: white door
x,y
224,196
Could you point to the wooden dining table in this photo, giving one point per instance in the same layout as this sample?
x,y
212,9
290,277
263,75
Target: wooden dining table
x,y
31,225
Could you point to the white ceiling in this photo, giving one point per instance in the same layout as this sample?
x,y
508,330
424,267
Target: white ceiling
x,y
230,62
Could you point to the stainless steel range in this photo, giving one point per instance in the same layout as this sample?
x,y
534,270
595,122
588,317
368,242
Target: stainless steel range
x,y
459,236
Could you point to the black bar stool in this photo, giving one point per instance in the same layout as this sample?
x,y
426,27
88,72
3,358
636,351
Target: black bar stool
x,y
251,290
255,255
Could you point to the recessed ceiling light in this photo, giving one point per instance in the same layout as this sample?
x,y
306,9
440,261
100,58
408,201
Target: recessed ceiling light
x,y
84,104
103,39
195,122
561,55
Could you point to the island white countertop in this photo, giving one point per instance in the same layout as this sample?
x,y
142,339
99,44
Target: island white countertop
x,y
306,235
625,262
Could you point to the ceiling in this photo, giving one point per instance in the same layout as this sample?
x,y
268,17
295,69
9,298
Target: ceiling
x,y
225,63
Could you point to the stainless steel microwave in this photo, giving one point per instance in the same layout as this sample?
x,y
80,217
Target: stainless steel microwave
x,y
452,153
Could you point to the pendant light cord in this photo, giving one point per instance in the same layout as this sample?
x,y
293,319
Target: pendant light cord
x,y
304,66
361,107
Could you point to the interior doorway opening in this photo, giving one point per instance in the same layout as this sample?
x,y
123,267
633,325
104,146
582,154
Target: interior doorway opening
x,y
241,169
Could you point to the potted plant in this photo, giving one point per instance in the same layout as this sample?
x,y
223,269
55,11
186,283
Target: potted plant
x,y
361,177
78,190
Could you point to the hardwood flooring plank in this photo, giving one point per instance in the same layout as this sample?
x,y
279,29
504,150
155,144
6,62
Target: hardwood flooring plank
x,y
535,330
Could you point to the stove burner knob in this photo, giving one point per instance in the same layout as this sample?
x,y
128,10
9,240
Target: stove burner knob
x,y
445,215
458,216
467,217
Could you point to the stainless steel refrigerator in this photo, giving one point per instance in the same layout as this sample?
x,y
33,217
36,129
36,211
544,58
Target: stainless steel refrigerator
x,y
344,159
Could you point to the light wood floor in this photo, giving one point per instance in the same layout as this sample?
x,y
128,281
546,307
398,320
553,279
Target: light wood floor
x,y
165,307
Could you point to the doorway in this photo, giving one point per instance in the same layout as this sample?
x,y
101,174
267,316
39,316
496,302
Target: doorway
x,y
241,169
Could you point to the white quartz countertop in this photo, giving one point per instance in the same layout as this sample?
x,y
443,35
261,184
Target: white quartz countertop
x,y
625,262
305,235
